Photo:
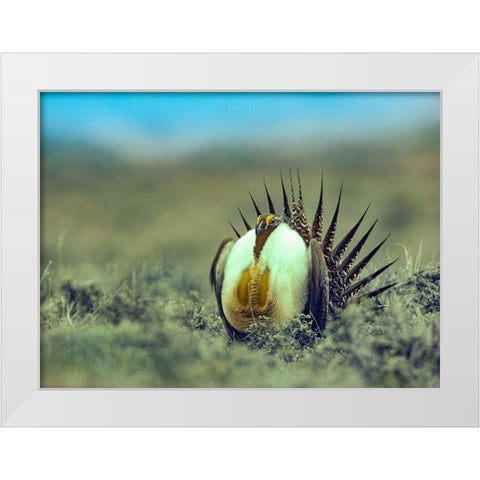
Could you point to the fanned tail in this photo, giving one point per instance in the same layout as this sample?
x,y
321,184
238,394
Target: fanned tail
x,y
257,210
343,245
234,229
347,264
376,292
247,225
286,207
355,271
317,224
332,229
271,207
301,223
356,287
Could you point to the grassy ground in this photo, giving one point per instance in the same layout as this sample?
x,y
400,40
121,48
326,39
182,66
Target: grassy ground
x,y
153,329
125,254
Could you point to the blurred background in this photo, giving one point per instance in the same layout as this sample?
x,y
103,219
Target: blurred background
x,y
133,178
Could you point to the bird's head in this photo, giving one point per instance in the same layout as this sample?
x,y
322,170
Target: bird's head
x,y
267,223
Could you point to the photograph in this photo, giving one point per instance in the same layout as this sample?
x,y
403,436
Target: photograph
x,y
239,239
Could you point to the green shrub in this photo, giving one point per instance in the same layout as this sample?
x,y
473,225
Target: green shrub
x,y
154,328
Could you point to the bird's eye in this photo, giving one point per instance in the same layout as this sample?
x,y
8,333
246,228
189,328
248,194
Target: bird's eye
x,y
258,219
269,218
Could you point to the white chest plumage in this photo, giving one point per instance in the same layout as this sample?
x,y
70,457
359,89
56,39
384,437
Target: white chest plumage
x,y
281,271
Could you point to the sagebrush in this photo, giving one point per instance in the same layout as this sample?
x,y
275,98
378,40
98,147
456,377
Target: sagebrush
x,y
155,327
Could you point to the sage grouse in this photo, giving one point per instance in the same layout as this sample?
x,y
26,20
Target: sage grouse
x,y
284,267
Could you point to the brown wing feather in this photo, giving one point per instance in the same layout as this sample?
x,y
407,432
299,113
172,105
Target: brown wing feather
x,y
213,269
318,293
216,280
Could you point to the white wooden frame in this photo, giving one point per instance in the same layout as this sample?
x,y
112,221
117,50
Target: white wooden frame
x,y
454,403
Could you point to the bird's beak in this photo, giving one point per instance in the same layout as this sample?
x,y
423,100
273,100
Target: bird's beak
x,y
260,228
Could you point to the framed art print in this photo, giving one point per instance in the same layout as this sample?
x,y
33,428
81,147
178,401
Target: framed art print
x,y
240,240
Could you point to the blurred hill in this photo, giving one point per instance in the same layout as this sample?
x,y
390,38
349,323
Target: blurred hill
x,y
353,150
99,209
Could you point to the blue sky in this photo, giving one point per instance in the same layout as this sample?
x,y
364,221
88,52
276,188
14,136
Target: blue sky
x,y
150,123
